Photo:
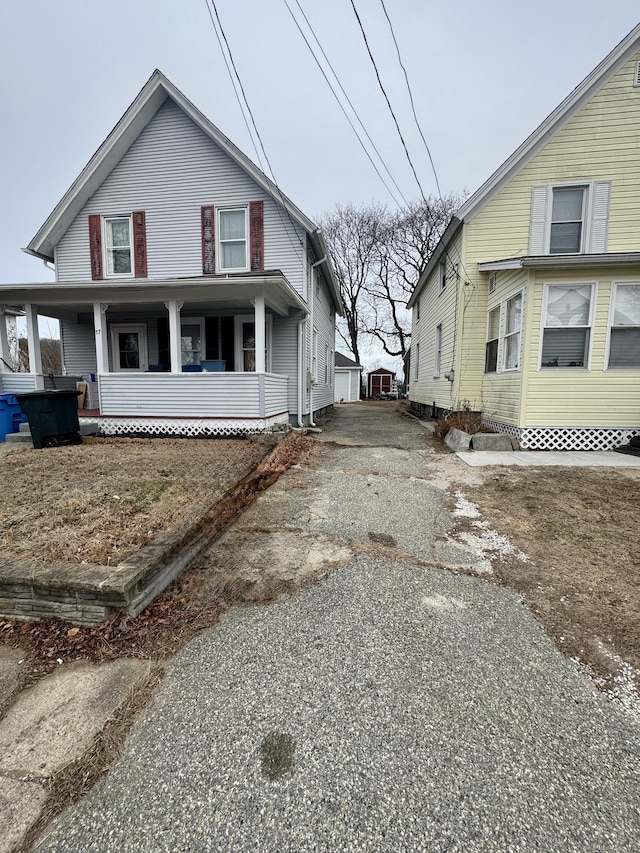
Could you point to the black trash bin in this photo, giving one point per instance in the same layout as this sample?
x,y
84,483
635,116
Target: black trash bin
x,y
52,416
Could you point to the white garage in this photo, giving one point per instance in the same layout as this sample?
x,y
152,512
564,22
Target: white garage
x,y
347,379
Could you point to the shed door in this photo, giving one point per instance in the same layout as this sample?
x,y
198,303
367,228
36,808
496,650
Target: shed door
x,y
342,387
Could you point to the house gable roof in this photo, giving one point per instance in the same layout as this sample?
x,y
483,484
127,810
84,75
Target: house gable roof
x,y
145,106
534,143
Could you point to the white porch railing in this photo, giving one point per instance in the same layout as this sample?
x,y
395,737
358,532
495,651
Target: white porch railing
x,y
193,395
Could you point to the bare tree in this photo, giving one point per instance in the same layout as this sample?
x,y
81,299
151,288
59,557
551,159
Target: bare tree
x,y
49,352
353,236
378,256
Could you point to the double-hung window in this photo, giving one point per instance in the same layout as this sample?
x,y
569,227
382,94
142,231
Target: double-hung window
x,y
567,220
118,246
232,240
567,325
438,352
512,330
624,343
417,367
493,335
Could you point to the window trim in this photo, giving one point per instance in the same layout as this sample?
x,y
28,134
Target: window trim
x,y
186,320
437,361
587,200
518,332
612,310
442,276
220,242
106,248
418,310
488,340
417,365
238,320
547,285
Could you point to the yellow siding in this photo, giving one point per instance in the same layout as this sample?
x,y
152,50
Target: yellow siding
x,y
600,143
435,309
501,391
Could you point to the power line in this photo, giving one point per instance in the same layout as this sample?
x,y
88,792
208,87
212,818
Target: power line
x,y
386,97
413,109
248,109
355,112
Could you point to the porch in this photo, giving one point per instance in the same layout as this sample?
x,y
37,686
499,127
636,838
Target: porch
x,y
198,365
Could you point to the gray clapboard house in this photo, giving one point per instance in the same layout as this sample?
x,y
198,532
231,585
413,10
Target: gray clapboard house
x,y
200,297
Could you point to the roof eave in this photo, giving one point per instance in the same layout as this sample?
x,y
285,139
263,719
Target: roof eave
x,y
449,233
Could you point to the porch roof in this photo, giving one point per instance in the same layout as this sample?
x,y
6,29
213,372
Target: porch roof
x,y
62,299
573,261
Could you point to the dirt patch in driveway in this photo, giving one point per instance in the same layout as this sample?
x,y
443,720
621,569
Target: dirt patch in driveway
x,y
578,528
103,500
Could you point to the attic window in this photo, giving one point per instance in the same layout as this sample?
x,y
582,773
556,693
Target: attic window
x,y
636,77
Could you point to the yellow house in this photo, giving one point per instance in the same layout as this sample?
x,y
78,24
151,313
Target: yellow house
x,y
529,309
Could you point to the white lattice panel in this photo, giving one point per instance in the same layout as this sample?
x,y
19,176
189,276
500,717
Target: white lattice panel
x,y
565,438
188,427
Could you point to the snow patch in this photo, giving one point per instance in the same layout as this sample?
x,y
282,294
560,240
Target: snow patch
x,y
487,543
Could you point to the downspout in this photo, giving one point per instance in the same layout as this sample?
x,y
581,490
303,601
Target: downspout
x,y
301,367
312,296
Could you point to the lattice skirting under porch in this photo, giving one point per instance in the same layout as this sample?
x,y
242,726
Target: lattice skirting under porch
x,y
188,427
564,438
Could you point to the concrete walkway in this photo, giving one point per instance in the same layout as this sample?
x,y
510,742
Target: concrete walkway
x,y
391,705
566,458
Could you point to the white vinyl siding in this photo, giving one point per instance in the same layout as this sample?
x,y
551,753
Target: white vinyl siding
x,y
569,218
170,172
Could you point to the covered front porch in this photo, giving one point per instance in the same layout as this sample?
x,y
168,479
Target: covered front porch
x,y
206,356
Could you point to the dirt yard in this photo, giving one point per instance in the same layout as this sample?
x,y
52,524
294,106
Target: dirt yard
x,y
101,501
579,530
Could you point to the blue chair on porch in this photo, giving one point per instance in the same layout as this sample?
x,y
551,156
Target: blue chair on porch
x,y
213,365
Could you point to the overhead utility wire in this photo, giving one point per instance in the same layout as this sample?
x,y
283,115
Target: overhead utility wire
x,y
386,97
355,112
248,108
433,167
413,108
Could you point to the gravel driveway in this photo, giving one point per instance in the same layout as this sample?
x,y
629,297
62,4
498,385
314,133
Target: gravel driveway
x,y
391,706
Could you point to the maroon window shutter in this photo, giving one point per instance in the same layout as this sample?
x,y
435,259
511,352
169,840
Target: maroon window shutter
x,y
256,234
208,241
139,243
95,246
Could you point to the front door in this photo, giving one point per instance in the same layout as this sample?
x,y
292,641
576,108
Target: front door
x,y
129,347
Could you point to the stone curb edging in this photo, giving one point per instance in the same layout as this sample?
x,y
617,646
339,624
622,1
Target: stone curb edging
x,y
87,594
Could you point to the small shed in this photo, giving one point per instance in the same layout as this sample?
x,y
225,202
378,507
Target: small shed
x,y
381,381
347,379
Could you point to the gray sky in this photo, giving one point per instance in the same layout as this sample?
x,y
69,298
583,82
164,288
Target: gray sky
x,y
483,74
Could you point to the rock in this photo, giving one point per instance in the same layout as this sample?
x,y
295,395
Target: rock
x,y
457,440
491,441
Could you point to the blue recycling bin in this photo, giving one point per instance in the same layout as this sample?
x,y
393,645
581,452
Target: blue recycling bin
x,y
10,415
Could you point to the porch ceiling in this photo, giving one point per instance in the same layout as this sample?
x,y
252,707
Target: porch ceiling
x,y
67,299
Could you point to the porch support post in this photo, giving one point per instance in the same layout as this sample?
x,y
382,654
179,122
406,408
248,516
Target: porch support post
x,y
33,341
102,342
175,351
261,339
5,355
